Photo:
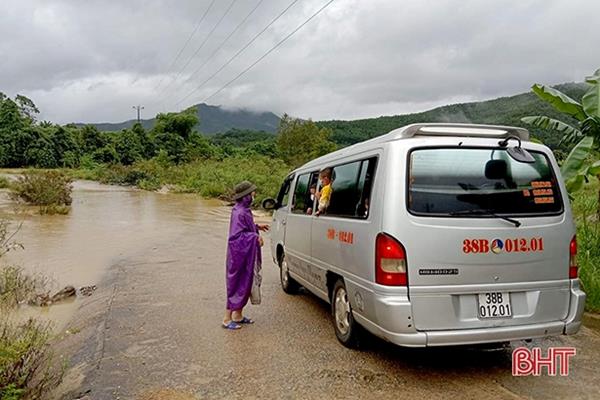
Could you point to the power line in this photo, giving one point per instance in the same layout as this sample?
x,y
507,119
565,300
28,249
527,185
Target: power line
x,y
186,43
223,42
270,50
238,52
201,46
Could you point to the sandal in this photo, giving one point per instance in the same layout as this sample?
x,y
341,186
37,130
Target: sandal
x,y
244,320
232,325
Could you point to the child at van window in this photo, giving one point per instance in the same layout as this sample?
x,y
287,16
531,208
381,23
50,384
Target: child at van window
x,y
310,200
325,193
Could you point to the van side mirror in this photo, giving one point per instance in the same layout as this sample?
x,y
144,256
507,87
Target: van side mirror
x,y
269,204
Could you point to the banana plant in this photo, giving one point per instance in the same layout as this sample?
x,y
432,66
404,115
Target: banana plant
x,y
576,168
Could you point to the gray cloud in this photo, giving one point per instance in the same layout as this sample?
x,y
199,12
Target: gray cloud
x,y
91,61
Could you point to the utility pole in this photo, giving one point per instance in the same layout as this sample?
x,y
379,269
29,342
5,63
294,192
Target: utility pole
x,y
138,108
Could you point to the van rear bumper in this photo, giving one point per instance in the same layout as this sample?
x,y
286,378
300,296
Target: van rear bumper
x,y
396,330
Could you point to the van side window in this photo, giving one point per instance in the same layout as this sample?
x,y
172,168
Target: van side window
x,y
299,203
351,187
284,192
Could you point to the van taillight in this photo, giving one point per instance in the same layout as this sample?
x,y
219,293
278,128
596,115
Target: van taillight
x,y
390,261
573,258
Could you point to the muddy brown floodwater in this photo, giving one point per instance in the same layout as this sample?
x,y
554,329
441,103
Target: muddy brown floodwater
x,y
152,330
105,224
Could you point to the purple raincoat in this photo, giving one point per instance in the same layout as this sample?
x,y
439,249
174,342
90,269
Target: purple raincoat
x,y
243,252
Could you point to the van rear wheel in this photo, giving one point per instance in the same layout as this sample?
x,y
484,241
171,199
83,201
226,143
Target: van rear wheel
x,y
346,329
288,284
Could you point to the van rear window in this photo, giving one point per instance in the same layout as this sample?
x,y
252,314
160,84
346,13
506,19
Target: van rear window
x,y
463,181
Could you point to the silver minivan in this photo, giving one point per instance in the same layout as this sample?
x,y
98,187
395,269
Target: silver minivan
x,y
435,234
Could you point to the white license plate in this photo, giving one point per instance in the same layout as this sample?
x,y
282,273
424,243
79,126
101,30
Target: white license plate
x,y
494,305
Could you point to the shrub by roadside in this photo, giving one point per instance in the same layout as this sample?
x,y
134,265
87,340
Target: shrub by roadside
x,y
585,206
25,360
50,190
4,182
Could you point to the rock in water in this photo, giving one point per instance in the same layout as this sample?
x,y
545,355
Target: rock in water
x,y
40,300
87,290
67,292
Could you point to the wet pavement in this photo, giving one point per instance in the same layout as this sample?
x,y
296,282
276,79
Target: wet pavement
x,y
153,328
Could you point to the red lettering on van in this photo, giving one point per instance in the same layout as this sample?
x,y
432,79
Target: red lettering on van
x,y
330,234
346,237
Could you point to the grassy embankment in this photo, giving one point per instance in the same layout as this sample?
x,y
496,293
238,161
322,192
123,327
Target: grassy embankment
x,y
210,178
585,207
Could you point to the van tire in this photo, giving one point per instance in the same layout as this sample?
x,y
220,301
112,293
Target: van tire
x,y
346,328
288,284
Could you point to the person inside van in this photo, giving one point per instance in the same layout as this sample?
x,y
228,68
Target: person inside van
x,y
310,199
325,192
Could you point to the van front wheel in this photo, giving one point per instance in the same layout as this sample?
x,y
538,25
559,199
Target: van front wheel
x,y
288,284
346,329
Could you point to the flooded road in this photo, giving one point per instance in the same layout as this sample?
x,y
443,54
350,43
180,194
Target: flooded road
x,y
105,224
153,328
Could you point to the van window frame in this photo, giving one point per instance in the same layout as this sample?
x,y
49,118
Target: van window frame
x,y
287,183
445,215
293,194
361,160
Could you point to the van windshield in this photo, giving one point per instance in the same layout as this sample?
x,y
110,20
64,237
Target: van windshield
x,y
476,181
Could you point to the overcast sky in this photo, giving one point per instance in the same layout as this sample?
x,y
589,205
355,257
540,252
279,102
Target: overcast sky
x,y
92,60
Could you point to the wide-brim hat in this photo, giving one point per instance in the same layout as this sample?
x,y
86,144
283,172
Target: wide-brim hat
x,y
242,189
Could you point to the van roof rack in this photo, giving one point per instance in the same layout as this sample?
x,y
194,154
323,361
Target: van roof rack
x,y
468,130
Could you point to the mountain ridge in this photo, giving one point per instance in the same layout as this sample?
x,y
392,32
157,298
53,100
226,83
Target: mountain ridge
x,y
213,119
505,110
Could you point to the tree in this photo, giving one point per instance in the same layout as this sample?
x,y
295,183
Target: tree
x,y
91,139
128,147
580,163
144,139
65,147
300,141
181,124
12,125
27,108
173,131
197,147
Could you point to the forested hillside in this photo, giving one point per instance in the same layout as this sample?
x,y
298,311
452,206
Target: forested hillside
x,y
501,111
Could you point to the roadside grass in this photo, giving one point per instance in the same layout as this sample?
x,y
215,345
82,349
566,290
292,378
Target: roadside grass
x,y
49,190
585,207
26,362
17,287
27,366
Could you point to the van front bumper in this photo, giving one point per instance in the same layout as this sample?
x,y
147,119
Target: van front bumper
x,y
394,316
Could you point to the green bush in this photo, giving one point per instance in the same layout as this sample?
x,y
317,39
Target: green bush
x,y
4,182
50,190
25,359
588,244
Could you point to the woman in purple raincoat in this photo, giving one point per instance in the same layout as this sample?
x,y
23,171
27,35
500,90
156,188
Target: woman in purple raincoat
x,y
243,253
